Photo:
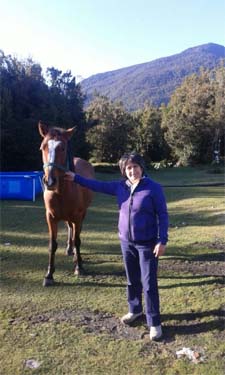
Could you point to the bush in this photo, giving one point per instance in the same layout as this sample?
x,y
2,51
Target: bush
x,y
161,164
106,167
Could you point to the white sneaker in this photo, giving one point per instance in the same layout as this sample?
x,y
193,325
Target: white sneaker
x,y
130,317
155,333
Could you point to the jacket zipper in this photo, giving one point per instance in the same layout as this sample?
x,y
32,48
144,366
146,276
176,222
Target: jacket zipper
x,y
130,209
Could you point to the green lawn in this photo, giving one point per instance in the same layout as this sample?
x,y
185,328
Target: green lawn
x,y
74,328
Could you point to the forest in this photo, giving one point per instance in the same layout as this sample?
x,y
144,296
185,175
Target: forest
x,y
186,131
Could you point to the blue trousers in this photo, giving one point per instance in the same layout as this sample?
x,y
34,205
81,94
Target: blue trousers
x,y
141,271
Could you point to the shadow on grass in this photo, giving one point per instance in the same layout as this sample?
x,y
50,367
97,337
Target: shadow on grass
x,y
89,284
201,218
193,326
218,281
26,287
28,260
181,254
218,257
194,315
176,194
169,331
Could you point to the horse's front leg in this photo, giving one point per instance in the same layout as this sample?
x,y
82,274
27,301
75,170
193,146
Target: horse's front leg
x,y
52,225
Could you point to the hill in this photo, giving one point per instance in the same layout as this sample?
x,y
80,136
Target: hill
x,y
152,81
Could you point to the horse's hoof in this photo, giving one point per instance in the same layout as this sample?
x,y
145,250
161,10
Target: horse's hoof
x,y
79,271
48,282
69,252
76,272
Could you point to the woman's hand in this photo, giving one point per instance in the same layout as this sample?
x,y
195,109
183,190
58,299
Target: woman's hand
x,y
69,176
159,249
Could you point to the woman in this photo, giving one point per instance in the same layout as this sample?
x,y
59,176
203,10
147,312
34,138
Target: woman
x,y
143,233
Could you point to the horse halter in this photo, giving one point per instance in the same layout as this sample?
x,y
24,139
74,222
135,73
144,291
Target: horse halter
x,y
55,165
51,162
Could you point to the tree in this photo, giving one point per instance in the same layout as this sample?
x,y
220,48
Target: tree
x,y
26,98
192,115
148,138
109,129
67,107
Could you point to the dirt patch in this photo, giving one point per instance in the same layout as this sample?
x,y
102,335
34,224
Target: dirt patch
x,y
203,268
205,264
104,323
91,322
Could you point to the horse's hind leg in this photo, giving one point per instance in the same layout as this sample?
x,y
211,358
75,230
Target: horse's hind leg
x,y
70,239
78,269
73,246
49,280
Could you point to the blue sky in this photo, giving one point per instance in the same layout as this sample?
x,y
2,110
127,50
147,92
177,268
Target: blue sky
x,y
94,36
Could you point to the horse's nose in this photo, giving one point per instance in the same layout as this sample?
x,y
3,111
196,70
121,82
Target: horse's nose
x,y
51,181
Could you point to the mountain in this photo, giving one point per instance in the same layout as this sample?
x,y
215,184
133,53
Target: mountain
x,y
152,81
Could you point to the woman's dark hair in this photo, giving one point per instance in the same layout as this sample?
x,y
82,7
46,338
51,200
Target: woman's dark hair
x,y
133,157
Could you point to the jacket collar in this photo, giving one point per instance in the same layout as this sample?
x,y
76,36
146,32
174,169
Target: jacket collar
x,y
133,187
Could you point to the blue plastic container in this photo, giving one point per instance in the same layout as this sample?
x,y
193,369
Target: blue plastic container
x,y
20,185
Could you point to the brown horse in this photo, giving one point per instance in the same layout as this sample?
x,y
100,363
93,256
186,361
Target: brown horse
x,y
64,200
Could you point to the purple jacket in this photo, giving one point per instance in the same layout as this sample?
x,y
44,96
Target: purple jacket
x,y
143,213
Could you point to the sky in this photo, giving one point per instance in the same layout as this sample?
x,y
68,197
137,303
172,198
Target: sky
x,y
88,37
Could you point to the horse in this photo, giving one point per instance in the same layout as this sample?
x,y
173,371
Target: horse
x,y
64,200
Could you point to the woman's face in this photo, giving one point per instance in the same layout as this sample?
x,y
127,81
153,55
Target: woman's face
x,y
133,172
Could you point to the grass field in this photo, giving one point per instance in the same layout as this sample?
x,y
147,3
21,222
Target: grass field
x,y
74,327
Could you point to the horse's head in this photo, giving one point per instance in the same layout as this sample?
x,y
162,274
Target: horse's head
x,y
54,149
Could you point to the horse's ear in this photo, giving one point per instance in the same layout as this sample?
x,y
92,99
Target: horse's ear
x,y
69,133
43,129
